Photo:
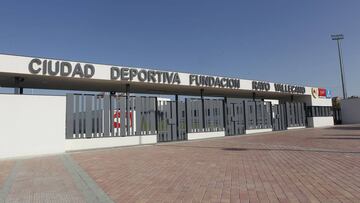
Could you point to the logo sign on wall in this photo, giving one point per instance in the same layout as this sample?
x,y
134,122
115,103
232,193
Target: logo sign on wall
x,y
322,92
328,94
315,92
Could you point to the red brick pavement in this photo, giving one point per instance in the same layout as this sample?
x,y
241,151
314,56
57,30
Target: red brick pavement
x,y
5,169
41,179
339,137
311,165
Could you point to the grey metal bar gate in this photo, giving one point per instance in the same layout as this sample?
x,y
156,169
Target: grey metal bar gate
x,y
245,114
94,116
289,114
258,115
295,114
168,128
235,116
279,117
211,120
191,118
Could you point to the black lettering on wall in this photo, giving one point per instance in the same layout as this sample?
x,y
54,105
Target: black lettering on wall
x,y
142,75
114,73
89,70
31,67
61,68
124,74
289,88
52,71
78,71
210,81
176,79
133,73
65,69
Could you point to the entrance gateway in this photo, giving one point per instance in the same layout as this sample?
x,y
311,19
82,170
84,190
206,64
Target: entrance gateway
x,y
173,106
105,115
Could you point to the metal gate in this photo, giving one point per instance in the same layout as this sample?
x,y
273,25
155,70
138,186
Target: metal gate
x,y
279,117
175,120
171,121
295,114
95,116
204,115
235,116
258,115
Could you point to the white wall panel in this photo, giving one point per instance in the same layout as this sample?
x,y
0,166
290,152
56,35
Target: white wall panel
x,y
82,144
350,111
31,125
204,135
320,121
253,131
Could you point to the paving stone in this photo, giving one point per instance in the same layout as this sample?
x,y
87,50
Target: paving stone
x,y
43,179
5,169
307,165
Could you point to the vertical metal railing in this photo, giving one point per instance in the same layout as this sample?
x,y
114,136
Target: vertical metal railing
x,y
95,116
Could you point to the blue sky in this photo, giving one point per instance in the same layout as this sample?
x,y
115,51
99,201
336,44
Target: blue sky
x,y
278,40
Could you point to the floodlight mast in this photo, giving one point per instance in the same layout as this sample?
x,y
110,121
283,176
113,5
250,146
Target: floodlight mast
x,y
338,38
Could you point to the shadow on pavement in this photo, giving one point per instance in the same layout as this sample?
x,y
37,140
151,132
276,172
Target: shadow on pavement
x,y
345,128
236,149
292,150
338,138
342,135
240,149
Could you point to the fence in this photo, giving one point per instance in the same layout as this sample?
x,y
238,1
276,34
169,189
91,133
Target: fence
x,y
92,116
105,115
204,115
258,115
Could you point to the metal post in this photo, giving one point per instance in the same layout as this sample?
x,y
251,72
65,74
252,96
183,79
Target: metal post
x,y
19,90
341,69
111,112
107,115
177,115
186,118
271,116
224,112
255,109
156,116
306,120
18,82
202,107
244,110
339,37
127,118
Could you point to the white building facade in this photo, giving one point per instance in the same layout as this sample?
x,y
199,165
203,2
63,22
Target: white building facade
x,y
118,113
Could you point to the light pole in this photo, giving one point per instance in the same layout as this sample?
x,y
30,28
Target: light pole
x,y
338,38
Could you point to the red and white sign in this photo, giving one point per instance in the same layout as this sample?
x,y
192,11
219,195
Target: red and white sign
x,y
117,116
322,92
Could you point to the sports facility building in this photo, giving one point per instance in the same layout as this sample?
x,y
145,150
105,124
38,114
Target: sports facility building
x,y
130,106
